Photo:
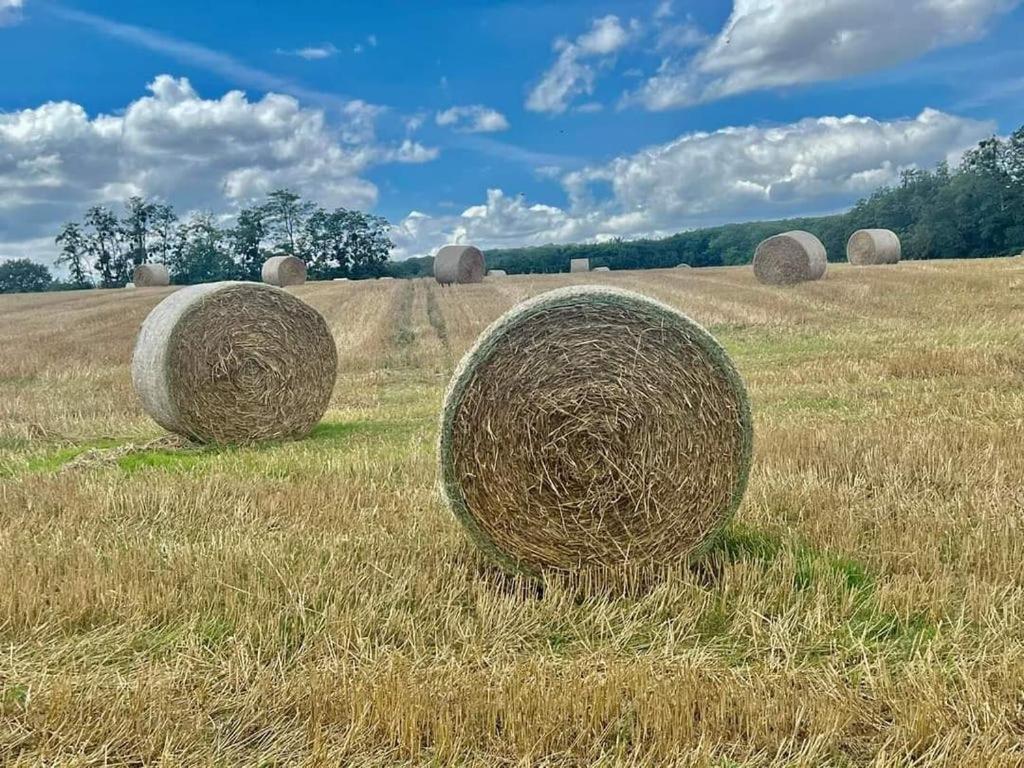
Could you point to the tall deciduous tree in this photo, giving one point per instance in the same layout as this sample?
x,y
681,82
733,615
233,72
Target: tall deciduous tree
x,y
285,213
74,253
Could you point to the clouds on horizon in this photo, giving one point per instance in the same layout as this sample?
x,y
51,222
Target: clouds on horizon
x,y
708,178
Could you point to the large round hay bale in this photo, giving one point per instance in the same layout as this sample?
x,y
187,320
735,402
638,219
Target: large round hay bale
x,y
234,362
151,275
459,264
579,265
284,270
873,246
789,258
594,428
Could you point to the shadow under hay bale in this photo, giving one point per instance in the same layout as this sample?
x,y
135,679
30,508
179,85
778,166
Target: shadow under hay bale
x,y
283,271
594,429
151,276
459,264
234,362
873,246
790,258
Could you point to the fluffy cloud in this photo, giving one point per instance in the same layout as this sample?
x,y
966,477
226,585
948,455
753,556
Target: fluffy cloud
x,y
573,72
197,153
703,179
767,44
10,12
473,119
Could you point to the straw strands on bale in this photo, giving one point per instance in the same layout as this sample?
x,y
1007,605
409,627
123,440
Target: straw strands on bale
x,y
789,258
459,264
284,270
592,428
873,246
151,275
579,265
234,363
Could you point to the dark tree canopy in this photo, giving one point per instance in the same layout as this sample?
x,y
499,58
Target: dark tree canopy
x,y
23,276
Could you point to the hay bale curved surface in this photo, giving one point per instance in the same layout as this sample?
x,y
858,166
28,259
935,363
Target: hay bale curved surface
x,y
579,265
594,428
234,362
459,264
151,275
873,246
790,258
283,271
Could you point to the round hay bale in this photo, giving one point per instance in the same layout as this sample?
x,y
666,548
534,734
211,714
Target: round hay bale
x,y
341,279
129,285
459,264
151,275
579,265
594,428
497,273
873,246
284,270
790,258
234,362
684,265
601,269
386,277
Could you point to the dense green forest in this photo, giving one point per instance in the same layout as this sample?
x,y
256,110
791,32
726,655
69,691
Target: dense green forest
x,y
973,210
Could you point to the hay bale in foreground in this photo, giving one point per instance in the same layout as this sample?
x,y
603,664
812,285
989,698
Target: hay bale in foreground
x,y
234,363
873,246
150,276
497,273
579,265
284,270
459,264
594,428
790,258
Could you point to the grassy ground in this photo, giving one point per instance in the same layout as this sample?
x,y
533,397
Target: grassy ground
x,y
311,603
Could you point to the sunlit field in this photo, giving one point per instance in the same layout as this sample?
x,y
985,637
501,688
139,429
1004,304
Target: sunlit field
x,y
312,603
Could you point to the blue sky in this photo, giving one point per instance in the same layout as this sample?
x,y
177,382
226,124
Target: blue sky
x,y
500,123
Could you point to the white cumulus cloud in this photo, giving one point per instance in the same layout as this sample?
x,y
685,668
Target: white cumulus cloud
x,y
815,165
768,44
197,153
10,12
573,72
473,119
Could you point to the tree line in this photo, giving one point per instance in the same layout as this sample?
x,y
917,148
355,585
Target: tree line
x,y
974,209
103,248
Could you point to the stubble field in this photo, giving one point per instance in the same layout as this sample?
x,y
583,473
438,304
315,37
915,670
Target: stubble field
x,y
312,603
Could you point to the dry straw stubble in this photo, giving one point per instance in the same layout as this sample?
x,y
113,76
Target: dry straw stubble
x,y
594,429
789,258
234,362
151,275
873,246
459,264
283,271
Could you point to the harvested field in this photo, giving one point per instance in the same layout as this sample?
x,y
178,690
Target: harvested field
x,y
314,603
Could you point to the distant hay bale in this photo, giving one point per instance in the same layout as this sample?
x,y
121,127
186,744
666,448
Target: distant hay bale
x,y
873,246
385,277
459,264
592,427
341,279
790,258
129,285
284,270
151,275
579,265
234,362
684,265
497,273
601,269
